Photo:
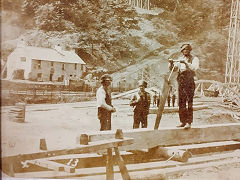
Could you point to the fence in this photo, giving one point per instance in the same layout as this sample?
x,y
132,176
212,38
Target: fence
x,y
14,92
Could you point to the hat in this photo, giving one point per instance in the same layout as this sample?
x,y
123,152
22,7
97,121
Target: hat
x,y
142,83
105,77
186,46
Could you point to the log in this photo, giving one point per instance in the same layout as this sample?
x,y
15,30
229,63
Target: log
x,y
52,165
171,154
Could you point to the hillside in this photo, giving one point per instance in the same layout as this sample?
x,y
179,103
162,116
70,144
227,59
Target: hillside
x,y
114,35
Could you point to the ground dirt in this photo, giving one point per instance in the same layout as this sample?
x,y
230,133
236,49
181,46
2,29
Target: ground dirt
x,y
61,123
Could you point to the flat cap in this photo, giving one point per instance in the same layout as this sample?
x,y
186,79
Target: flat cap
x,y
186,46
142,83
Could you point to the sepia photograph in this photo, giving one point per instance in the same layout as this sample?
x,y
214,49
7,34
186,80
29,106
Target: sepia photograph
x,y
120,89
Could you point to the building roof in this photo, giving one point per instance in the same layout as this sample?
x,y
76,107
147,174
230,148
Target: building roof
x,y
48,54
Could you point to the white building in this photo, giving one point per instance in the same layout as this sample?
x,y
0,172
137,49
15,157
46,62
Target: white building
x,y
44,64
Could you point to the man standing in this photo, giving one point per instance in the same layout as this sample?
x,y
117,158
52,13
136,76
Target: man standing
x,y
155,99
171,95
104,103
186,85
141,101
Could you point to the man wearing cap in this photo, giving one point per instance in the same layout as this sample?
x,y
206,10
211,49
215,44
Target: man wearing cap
x,y
187,66
141,101
104,103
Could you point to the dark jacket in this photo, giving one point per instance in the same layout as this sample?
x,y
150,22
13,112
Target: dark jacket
x,y
141,101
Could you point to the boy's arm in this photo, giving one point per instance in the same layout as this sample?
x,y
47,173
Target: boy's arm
x,y
133,101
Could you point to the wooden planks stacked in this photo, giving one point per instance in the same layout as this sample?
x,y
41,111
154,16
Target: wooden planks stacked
x,y
17,113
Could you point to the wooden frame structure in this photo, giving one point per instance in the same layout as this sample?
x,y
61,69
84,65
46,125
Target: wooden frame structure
x,y
232,73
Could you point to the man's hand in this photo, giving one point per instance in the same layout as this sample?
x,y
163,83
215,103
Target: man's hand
x,y
183,61
113,109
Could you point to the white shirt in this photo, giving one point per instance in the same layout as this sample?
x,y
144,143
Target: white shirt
x,y
192,66
101,102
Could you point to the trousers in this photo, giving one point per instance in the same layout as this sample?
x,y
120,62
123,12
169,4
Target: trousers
x,y
140,117
186,87
104,117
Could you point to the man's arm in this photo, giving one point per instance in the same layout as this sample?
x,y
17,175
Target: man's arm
x,y
149,100
134,100
194,65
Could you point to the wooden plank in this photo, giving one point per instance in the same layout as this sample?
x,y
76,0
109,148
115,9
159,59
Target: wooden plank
x,y
96,160
78,149
124,93
52,165
146,138
175,109
209,147
134,169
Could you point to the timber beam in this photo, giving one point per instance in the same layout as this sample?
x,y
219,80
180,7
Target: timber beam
x,y
147,138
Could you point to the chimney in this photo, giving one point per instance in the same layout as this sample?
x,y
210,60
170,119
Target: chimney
x,y
21,43
58,47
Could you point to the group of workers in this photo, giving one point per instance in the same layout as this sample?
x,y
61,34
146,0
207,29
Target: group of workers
x,y
184,68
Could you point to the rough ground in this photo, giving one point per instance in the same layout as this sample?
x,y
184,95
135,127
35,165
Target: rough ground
x,y
61,123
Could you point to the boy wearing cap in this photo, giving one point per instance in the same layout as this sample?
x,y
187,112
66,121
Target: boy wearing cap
x,y
141,101
186,85
104,103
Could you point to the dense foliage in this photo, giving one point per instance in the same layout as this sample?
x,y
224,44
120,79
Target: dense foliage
x,y
99,30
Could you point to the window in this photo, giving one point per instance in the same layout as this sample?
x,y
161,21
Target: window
x,y
81,67
23,59
39,64
63,67
75,66
51,63
39,75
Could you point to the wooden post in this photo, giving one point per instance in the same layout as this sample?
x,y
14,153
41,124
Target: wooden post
x,y
109,165
119,134
11,170
121,165
163,99
84,139
43,144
